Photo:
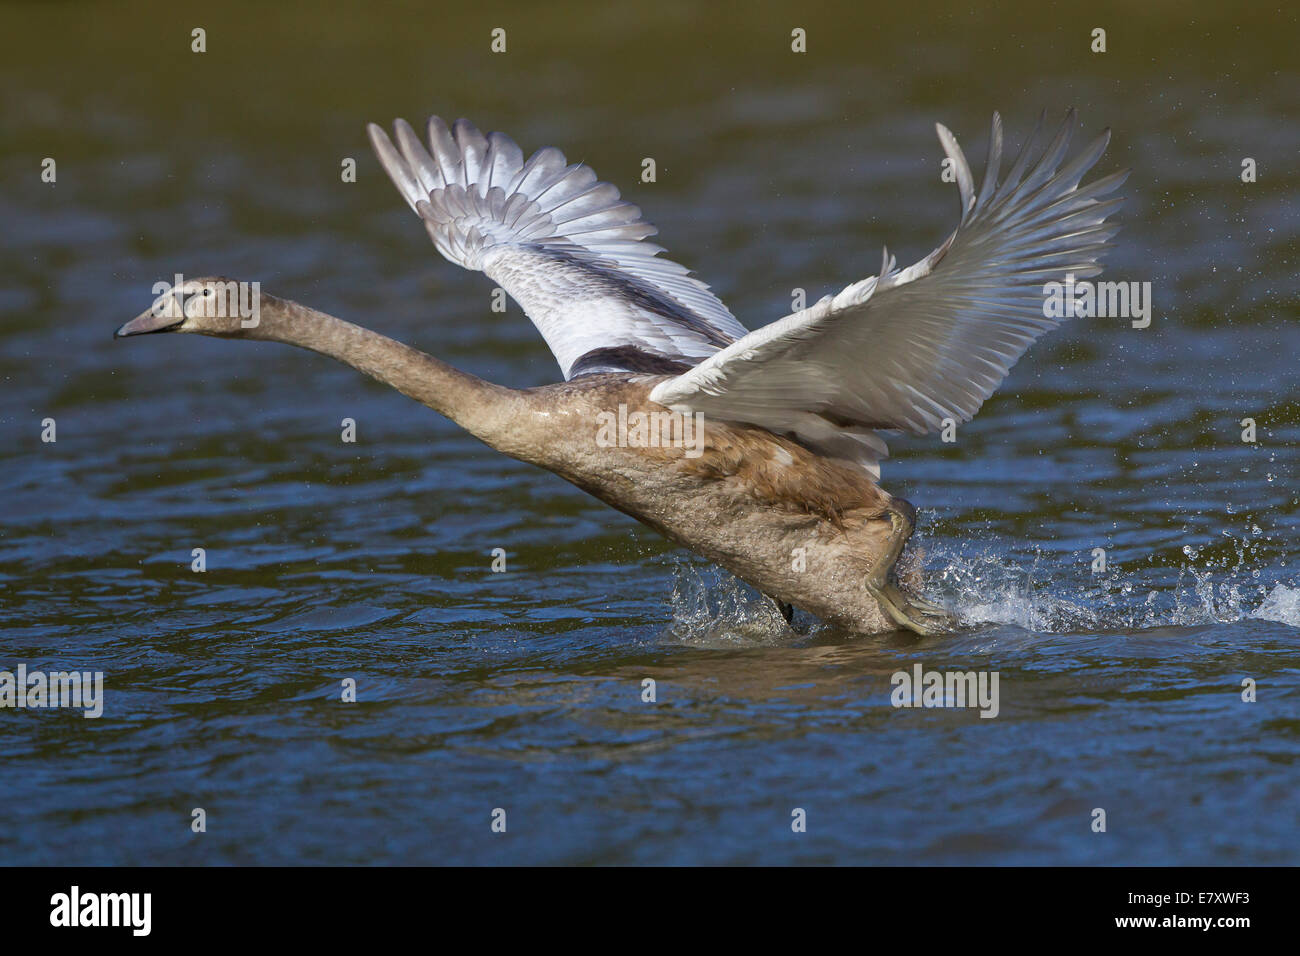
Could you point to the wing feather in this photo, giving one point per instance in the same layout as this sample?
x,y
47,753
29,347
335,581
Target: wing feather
x,y
562,243
908,349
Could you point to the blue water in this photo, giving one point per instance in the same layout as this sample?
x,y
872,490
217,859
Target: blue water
x,y
1119,689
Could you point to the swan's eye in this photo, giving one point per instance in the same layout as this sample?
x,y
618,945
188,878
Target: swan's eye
x,y
207,292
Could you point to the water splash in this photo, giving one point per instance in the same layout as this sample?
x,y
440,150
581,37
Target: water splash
x,y
713,608
985,586
1282,604
1052,596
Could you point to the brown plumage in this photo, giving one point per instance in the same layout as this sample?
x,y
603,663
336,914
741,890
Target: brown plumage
x,y
755,449
804,529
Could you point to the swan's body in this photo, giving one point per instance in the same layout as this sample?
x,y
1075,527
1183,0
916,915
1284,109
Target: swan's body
x,y
779,485
803,528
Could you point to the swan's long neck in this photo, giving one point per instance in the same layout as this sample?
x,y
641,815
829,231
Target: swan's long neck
x,y
487,411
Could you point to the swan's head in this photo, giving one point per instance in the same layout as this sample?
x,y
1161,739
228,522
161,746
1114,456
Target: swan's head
x,y
210,306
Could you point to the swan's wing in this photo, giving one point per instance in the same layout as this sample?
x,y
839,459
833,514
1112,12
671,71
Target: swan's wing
x,y
908,349
562,244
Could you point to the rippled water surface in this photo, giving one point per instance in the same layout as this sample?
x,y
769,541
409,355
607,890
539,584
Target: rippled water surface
x,y
1119,689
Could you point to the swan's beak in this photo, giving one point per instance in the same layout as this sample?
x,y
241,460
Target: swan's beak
x,y
149,322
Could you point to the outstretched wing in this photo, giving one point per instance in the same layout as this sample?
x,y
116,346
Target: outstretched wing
x,y
564,246
909,348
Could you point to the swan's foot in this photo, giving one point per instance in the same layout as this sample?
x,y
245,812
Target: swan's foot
x,y
909,611
787,610
914,613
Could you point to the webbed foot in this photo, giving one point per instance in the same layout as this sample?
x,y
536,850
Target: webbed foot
x,y
786,610
909,611
914,613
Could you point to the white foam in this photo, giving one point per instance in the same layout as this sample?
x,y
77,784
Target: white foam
x,y
1282,604
712,608
1049,596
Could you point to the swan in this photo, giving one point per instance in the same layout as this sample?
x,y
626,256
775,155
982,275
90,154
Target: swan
x,y
758,450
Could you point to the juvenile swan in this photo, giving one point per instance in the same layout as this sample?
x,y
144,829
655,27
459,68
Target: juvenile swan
x,y
759,450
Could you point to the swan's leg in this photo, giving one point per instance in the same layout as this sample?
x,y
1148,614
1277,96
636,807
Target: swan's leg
x,y
787,610
914,613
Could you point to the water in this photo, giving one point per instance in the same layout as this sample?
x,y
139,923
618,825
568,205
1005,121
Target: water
x,y
1119,689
